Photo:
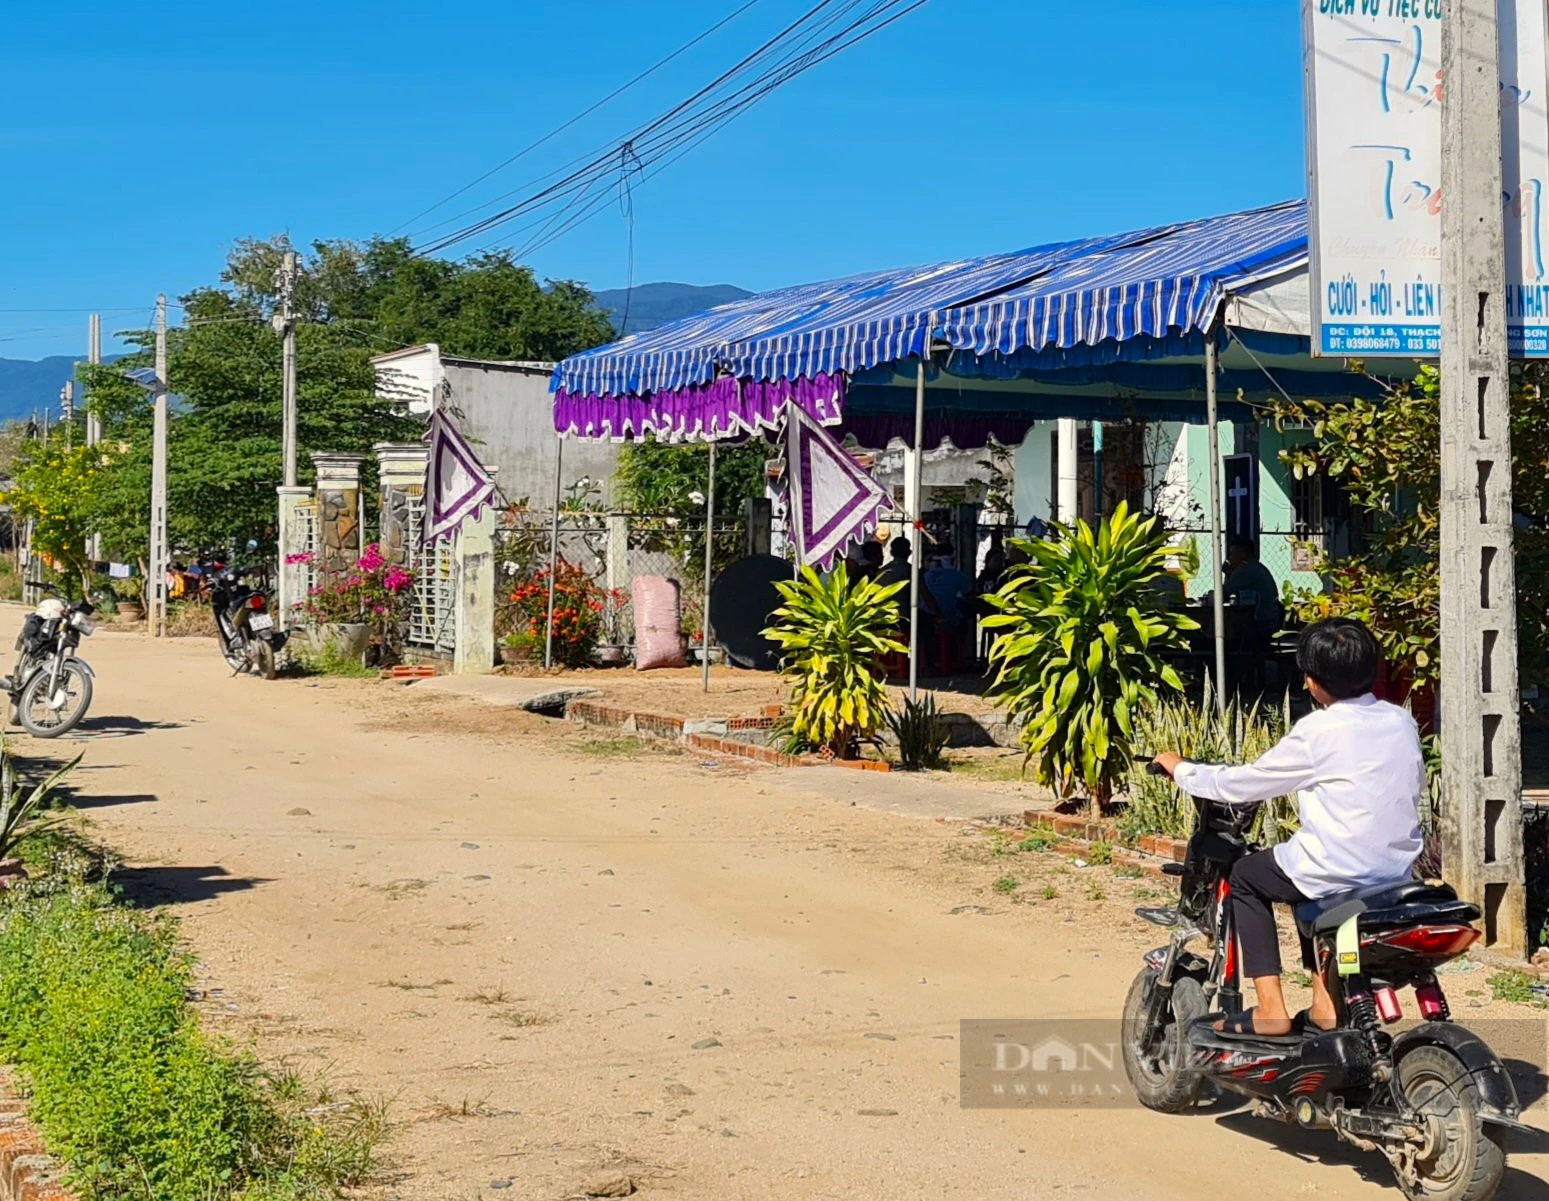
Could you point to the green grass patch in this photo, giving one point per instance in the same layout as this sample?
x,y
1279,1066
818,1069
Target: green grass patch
x,y
1007,885
330,660
989,767
1038,839
1100,854
624,746
138,1101
1516,987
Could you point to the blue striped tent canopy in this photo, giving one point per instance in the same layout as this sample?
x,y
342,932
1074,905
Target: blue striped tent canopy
x,y
1096,294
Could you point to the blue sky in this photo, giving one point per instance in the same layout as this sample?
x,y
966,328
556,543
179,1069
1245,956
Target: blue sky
x,y
138,143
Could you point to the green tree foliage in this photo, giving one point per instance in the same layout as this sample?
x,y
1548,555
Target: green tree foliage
x,y
1386,455
354,300
658,477
1079,663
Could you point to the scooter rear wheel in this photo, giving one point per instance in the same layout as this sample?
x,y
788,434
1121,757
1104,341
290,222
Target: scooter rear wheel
x,y
263,659
1467,1160
1162,1080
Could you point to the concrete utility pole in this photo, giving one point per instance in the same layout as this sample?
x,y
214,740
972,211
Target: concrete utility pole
x,y
159,550
1481,730
93,422
285,323
67,410
93,356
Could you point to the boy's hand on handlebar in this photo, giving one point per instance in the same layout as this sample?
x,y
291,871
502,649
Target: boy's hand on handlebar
x,y
1166,763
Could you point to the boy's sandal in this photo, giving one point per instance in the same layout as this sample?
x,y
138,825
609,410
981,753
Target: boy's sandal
x,y
1242,1024
1302,1023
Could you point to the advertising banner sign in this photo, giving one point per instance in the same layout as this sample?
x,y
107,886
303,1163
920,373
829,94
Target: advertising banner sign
x,y
1374,97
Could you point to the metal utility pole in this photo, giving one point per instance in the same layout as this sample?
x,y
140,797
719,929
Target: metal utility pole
x,y
1217,549
916,507
1067,506
1481,729
704,637
285,323
159,550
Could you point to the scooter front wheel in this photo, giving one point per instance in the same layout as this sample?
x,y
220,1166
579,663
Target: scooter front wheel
x,y
1160,1074
1465,1159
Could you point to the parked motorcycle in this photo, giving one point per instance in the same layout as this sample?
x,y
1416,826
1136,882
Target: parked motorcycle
x,y
50,687
244,623
1435,1100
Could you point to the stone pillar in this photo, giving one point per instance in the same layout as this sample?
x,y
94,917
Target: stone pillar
x,y
291,542
339,536
401,472
473,587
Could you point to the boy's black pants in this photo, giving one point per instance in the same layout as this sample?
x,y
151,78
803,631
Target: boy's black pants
x,y
1257,883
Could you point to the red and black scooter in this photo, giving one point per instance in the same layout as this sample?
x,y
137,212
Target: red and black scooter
x,y
1435,1100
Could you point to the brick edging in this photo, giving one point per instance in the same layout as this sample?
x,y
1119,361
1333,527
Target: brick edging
x,y
671,728
27,1171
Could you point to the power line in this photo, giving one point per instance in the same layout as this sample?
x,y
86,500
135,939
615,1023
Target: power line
x,y
92,309
605,156
611,149
789,53
695,137
581,116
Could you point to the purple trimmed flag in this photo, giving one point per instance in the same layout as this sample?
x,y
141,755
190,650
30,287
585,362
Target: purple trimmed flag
x,y
833,499
456,484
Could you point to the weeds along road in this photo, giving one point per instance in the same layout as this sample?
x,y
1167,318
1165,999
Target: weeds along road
x,y
564,958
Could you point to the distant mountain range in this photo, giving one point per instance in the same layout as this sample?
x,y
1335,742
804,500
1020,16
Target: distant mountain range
x,y
650,305
28,386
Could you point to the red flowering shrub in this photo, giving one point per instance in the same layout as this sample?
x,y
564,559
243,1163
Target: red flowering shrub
x,y
579,607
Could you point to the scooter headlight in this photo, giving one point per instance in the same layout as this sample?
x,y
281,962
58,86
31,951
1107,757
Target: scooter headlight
x,y
82,623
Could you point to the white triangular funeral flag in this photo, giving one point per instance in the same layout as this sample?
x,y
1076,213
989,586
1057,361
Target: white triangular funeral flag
x,y
456,484
834,501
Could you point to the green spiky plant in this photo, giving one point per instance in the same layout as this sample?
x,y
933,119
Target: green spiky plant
x,y
834,634
922,735
22,813
1079,661
1206,734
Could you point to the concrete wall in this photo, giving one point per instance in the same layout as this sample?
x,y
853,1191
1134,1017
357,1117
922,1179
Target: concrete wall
x,y
507,413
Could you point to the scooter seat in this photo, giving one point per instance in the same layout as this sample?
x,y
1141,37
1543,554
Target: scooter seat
x,y
1383,904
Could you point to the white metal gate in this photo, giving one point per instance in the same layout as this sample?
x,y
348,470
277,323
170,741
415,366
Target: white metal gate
x,y
305,568
431,624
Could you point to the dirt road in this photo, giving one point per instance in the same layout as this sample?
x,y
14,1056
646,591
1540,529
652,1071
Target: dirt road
x,y
562,961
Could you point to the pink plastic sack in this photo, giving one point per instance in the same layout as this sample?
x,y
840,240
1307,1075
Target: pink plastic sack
x,y
658,605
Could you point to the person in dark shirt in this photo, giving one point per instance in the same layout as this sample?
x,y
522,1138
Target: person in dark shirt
x,y
1250,585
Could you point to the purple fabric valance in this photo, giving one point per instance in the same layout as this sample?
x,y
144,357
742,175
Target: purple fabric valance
x,y
726,408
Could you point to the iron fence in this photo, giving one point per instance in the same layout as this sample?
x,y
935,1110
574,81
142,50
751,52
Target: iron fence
x,y
611,551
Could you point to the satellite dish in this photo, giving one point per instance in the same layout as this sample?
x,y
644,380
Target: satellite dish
x,y
741,599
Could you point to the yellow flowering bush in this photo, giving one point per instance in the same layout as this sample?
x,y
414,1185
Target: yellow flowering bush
x,y
57,487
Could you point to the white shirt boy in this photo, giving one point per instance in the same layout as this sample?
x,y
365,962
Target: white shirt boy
x,y
1357,770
